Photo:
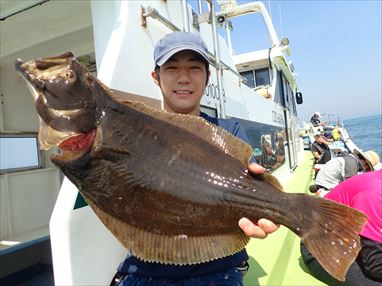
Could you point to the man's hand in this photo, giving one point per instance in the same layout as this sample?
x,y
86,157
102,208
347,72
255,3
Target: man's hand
x,y
263,226
259,230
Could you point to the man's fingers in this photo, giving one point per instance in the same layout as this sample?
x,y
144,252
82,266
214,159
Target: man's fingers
x,y
250,229
256,169
267,226
261,230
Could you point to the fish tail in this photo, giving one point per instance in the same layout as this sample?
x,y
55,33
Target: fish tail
x,y
331,235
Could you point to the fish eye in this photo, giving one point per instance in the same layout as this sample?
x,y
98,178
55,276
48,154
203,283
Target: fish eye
x,y
69,74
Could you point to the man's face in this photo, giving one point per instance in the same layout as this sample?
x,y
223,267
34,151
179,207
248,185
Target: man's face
x,y
182,80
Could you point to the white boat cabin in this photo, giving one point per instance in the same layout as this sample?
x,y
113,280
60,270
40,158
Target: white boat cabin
x,y
115,40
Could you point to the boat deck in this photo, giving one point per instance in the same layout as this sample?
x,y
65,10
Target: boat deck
x,y
276,260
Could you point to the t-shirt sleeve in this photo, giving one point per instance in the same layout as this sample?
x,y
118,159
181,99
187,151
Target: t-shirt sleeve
x,y
234,127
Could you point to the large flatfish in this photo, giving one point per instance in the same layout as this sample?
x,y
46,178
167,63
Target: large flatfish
x,y
171,187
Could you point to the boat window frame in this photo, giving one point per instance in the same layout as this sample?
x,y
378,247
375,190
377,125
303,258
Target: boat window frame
x,y
293,98
251,72
260,70
39,154
210,111
253,78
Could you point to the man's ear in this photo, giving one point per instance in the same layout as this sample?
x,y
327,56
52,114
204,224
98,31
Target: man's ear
x,y
208,76
154,75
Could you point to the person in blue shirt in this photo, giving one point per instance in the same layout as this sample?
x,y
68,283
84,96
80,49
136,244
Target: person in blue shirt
x,y
182,73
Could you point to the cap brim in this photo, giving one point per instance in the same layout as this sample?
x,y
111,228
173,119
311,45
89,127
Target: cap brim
x,y
360,154
172,52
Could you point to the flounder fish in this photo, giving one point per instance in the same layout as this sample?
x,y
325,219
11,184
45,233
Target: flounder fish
x,y
171,187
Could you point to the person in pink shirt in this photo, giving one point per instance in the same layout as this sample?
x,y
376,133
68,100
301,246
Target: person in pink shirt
x,y
364,193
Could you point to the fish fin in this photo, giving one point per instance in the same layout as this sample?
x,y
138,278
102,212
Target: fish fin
x,y
178,250
270,179
332,236
198,126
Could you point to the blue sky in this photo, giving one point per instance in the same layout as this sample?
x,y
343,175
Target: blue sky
x,y
336,50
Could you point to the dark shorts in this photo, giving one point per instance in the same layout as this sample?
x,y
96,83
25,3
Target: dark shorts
x,y
370,258
231,277
356,276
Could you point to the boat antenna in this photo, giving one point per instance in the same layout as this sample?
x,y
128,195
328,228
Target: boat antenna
x,y
280,19
269,9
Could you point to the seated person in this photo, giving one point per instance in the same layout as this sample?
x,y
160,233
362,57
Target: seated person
x,y
341,168
369,159
320,149
328,136
280,149
315,120
364,193
268,158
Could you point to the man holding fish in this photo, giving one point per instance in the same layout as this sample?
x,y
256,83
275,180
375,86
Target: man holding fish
x,y
171,187
182,73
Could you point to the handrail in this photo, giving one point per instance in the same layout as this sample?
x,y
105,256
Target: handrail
x,y
225,67
153,13
30,6
249,8
219,69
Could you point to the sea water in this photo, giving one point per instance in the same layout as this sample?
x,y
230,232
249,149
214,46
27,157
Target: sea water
x,y
366,132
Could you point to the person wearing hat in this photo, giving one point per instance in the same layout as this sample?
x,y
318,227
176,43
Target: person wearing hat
x,y
182,73
364,193
341,168
315,120
369,160
320,149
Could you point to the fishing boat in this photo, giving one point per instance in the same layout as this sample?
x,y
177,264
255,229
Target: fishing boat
x,y
45,226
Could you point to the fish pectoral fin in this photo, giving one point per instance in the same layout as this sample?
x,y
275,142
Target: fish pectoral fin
x,y
178,250
198,126
270,179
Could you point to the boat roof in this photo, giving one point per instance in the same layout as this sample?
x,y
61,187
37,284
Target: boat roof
x,y
251,59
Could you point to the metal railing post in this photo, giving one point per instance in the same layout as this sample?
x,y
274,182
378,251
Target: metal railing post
x,y
219,69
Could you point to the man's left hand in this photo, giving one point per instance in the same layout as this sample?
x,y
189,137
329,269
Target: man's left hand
x,y
263,227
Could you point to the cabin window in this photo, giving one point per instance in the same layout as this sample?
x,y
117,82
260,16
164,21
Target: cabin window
x,y
262,76
212,112
279,93
256,77
250,80
19,152
286,92
292,105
